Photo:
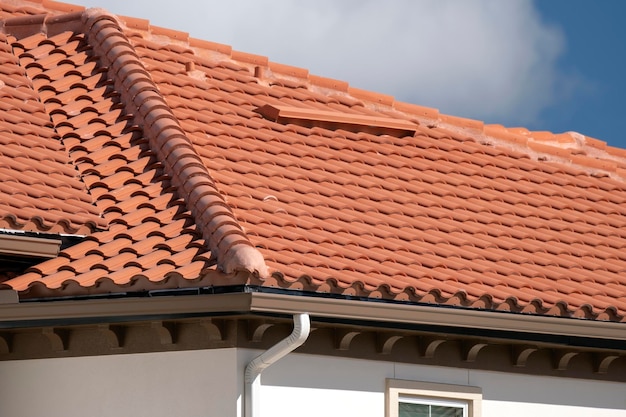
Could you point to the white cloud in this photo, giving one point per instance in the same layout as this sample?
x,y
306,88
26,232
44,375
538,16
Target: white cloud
x,y
489,59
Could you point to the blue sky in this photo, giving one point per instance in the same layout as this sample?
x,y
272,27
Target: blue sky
x,y
595,51
555,65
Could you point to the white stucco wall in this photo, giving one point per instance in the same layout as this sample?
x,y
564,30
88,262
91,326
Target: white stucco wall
x,y
171,384
317,386
210,383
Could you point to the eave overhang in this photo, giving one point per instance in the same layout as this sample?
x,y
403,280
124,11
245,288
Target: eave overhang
x,y
520,327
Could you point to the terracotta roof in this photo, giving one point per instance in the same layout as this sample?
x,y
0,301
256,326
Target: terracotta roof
x,y
45,190
194,165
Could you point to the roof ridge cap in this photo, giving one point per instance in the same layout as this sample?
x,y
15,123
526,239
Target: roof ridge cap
x,y
583,152
333,87
570,148
263,68
226,239
47,22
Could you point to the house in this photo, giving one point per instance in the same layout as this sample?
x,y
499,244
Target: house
x,y
191,230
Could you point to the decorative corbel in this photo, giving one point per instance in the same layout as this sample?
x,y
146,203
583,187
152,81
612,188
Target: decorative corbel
x,y
385,342
603,362
6,342
343,338
166,331
58,338
471,350
520,354
257,329
114,335
562,358
428,345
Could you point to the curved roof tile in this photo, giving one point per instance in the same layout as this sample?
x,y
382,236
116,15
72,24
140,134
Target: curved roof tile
x,y
172,138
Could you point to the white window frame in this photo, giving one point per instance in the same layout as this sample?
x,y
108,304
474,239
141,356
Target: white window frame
x,y
430,393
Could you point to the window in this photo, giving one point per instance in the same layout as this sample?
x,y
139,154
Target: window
x,y
426,407
425,399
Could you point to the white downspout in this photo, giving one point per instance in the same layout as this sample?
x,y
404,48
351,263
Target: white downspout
x,y
252,381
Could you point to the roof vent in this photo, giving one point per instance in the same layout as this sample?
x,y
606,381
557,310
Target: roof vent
x,y
338,120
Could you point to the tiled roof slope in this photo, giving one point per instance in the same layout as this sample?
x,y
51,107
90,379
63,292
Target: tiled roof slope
x,y
341,190
41,190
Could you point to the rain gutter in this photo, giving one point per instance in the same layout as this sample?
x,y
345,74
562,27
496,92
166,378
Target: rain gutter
x,y
401,315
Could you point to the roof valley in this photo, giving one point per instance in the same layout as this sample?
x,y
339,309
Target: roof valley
x,y
226,239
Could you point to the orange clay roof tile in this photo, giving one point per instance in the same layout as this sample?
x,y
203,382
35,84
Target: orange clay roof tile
x,y
157,151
